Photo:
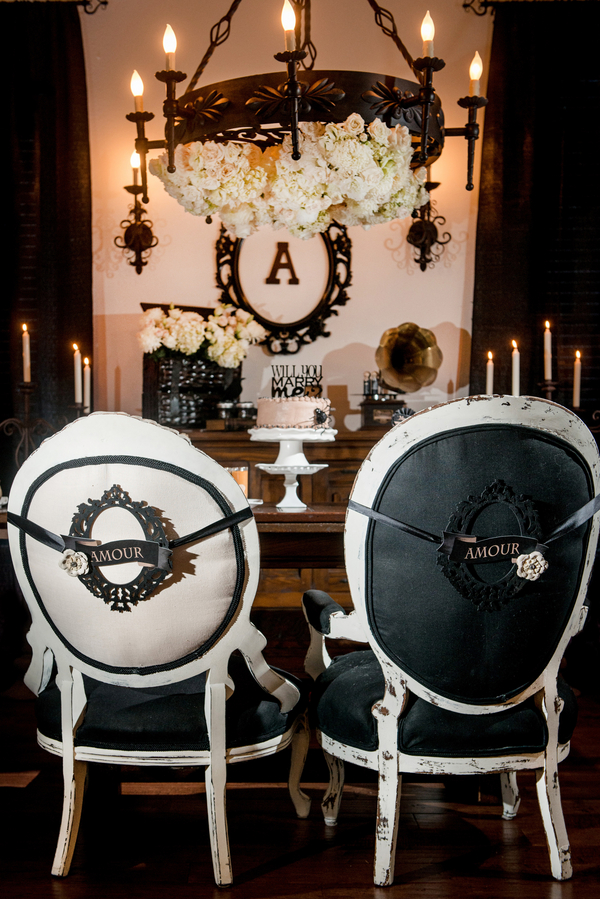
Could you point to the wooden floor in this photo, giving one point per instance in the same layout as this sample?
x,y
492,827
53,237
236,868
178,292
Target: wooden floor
x,y
151,841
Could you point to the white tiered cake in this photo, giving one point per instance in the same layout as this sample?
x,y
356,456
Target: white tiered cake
x,y
304,412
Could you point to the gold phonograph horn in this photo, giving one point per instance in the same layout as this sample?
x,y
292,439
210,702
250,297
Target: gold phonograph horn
x,y
408,357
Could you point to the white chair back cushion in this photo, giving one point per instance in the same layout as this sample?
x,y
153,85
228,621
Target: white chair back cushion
x,y
193,604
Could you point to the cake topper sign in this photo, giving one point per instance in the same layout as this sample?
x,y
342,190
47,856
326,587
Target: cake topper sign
x,y
287,381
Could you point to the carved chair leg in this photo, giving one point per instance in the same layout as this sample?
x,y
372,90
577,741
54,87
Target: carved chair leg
x,y
74,775
388,809
215,778
511,798
333,794
300,743
548,792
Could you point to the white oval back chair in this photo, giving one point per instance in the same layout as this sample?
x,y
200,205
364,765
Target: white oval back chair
x,y
469,543
138,557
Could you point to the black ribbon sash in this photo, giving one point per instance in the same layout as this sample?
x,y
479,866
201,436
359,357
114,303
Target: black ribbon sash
x,y
145,552
470,549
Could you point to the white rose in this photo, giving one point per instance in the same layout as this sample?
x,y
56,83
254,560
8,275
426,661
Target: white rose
x,y
379,131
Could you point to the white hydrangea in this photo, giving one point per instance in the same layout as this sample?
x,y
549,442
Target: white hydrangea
x,y
347,173
224,337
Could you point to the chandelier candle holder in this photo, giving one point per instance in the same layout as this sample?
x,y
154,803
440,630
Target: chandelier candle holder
x,y
291,460
137,239
331,146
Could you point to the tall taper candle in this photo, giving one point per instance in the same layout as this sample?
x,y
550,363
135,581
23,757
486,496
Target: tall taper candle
x,y
288,21
77,373
516,370
26,355
489,375
169,46
87,386
548,353
577,381
475,72
427,34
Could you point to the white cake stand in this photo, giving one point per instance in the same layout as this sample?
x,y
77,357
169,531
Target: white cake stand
x,y
291,460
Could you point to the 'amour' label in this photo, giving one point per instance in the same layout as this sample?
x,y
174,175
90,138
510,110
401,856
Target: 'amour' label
x,y
467,548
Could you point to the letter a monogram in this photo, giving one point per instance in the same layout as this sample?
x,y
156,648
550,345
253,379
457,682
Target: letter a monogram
x,y
282,260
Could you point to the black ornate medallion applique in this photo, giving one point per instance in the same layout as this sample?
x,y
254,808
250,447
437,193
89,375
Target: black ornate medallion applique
x,y
120,597
486,589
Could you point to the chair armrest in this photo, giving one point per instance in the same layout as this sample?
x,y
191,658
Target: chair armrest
x,y
326,618
318,607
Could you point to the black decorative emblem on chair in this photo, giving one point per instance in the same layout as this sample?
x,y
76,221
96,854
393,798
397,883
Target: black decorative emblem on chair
x,y
120,597
490,586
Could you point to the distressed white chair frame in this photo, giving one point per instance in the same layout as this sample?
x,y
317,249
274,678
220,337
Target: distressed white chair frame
x,y
387,759
117,433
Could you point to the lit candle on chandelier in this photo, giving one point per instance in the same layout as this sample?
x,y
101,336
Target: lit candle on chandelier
x,y
26,355
548,353
475,70
135,165
288,20
137,89
77,374
577,381
489,375
87,386
170,46
427,35
516,369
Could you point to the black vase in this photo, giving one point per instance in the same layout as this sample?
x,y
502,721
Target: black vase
x,y
183,391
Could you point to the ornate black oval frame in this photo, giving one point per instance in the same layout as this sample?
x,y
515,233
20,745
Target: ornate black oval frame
x,y
120,597
489,596
290,337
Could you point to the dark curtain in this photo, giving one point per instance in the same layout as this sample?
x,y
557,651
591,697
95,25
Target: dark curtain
x,y
538,235
46,208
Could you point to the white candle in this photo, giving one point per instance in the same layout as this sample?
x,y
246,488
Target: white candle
x,y
87,386
77,373
288,20
475,71
489,375
26,355
137,89
516,369
577,381
548,353
427,35
169,46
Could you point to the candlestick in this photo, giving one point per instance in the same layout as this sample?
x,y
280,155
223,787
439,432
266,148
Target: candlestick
x,y
489,375
26,355
77,374
548,353
137,89
475,71
288,20
135,161
516,369
427,34
577,381
87,386
170,46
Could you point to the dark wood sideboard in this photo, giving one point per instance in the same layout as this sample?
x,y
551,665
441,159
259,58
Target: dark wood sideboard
x,y
344,456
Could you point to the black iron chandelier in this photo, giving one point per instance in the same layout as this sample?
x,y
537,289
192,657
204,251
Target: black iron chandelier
x,y
264,109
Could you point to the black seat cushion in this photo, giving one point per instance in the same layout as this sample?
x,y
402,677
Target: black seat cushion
x,y
346,692
171,717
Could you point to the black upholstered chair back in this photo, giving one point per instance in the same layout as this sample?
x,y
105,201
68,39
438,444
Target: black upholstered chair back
x,y
472,633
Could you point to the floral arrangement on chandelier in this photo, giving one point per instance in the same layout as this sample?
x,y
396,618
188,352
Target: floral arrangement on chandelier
x,y
347,173
223,337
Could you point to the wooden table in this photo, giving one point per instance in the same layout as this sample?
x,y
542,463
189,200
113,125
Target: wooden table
x,y
311,538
